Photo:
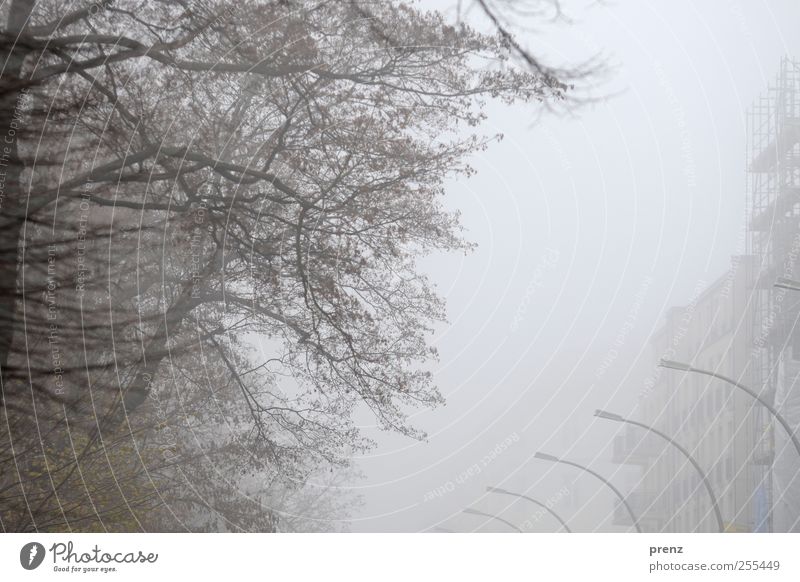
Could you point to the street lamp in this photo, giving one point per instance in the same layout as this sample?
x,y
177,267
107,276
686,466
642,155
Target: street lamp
x,y
551,458
490,516
687,368
532,500
618,418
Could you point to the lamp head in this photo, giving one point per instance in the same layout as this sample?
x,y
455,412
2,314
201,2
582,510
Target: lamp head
x,y
675,365
785,283
608,415
546,457
491,489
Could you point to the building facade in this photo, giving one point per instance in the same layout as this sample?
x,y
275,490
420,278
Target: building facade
x,y
719,425
744,327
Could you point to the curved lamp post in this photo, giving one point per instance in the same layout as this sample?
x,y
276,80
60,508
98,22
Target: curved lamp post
x,y
617,492
687,368
490,516
618,418
532,500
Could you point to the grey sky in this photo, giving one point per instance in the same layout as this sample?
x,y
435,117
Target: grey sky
x,y
588,229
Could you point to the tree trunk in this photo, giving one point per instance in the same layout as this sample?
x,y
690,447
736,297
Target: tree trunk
x,y
12,200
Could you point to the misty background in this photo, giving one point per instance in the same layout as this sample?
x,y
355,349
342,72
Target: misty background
x,y
589,227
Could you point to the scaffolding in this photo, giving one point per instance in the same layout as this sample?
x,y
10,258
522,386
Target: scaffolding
x,y
773,201
773,190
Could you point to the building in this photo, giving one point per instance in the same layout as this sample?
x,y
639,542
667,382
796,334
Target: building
x,y
719,425
744,327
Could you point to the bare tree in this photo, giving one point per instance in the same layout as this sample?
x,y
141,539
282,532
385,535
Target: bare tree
x,y
224,200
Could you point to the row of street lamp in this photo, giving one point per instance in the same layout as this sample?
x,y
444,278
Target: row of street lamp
x,y
782,283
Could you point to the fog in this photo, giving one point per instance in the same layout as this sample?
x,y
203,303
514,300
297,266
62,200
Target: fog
x,y
590,225
228,233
